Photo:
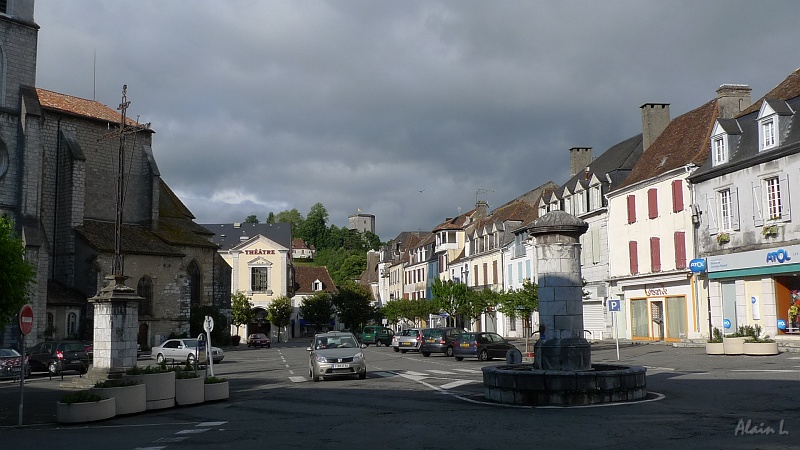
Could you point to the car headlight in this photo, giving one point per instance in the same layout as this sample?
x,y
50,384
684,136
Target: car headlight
x,y
320,358
358,357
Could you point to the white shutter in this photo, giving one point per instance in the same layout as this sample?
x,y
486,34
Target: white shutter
x,y
712,214
786,213
735,208
596,246
758,214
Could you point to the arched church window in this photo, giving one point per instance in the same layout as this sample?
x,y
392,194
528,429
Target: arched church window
x,y
144,289
195,283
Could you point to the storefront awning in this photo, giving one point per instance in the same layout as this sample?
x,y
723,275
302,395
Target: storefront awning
x,y
771,270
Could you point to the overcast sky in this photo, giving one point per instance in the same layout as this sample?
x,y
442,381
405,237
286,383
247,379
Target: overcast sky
x,y
400,109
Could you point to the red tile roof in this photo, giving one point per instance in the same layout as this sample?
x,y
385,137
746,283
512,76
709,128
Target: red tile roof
x,y
79,106
304,277
785,90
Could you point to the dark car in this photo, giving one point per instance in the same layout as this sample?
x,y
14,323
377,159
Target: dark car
x,y
483,345
258,340
11,364
376,334
58,356
438,340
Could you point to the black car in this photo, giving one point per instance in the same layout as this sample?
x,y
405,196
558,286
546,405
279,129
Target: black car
x,y
483,345
438,340
58,356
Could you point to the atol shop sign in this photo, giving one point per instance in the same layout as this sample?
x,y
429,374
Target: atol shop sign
x,y
779,256
697,265
775,256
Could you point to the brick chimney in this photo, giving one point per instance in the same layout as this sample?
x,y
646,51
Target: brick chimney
x,y
732,99
655,118
579,159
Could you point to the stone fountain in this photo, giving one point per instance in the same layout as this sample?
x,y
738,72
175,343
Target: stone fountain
x,y
562,373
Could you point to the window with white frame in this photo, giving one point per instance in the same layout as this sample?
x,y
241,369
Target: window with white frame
x,y
595,199
768,133
720,150
770,200
568,204
725,210
772,189
259,279
580,202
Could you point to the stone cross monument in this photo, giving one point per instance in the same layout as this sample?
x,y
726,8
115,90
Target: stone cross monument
x,y
561,344
116,325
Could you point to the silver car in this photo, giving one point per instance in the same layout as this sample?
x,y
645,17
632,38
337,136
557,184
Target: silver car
x,y
336,354
182,350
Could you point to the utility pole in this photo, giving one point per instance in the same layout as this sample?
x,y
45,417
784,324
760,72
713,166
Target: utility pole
x,y
117,266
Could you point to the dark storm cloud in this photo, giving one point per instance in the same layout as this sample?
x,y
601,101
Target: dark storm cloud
x,y
272,105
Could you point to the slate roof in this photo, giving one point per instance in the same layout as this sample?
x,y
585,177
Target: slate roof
x,y
304,277
229,235
135,240
745,150
684,141
455,223
60,295
80,107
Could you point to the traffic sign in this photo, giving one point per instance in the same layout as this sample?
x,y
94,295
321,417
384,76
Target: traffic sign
x,y
208,324
26,319
614,305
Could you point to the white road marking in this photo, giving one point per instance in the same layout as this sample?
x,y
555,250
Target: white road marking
x,y
766,370
441,372
456,383
414,374
194,431
291,372
210,424
469,370
298,379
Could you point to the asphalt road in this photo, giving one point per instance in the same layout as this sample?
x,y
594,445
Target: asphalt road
x,y
408,401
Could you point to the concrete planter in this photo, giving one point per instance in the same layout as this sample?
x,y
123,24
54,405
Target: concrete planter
x,y
760,348
129,399
86,412
715,348
189,391
216,391
733,345
160,388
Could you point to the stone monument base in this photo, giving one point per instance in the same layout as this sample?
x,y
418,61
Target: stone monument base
x,y
562,354
522,384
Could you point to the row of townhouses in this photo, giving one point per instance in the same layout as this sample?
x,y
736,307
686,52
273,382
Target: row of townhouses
x,y
690,227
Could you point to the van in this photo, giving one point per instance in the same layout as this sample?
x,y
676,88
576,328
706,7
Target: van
x,y
376,334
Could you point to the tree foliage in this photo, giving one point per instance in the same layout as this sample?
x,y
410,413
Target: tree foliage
x,y
292,217
451,298
251,219
317,309
409,312
280,312
353,305
520,303
241,310
16,274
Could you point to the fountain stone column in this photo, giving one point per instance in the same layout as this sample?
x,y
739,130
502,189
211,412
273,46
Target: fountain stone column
x,y
116,325
561,344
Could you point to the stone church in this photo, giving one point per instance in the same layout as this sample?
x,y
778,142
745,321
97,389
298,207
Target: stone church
x,y
59,165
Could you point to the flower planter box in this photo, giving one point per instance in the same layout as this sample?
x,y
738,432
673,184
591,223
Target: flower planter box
x,y
189,391
733,345
86,412
216,391
760,348
129,399
715,348
160,389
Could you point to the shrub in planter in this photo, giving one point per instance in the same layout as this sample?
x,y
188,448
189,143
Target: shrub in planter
x,y
715,346
188,388
84,406
235,340
159,382
130,395
756,345
733,344
216,389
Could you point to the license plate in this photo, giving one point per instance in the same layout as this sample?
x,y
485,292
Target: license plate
x,y
405,344
341,366
431,341
76,361
465,345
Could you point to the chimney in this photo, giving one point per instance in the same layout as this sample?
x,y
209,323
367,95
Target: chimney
x,y
732,99
579,158
481,208
655,118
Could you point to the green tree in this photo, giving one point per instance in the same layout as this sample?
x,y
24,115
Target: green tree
x,y
314,228
318,309
241,310
521,303
251,219
271,217
280,312
371,240
353,305
16,274
351,268
480,302
293,217
220,335
451,298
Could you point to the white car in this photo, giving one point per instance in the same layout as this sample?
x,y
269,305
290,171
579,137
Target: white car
x,y
182,350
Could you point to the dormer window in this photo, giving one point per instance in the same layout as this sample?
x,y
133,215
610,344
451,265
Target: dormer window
x,y
719,149
768,133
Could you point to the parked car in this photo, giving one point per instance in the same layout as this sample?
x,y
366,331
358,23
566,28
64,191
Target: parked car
x,y
376,334
58,356
438,340
11,364
182,350
483,345
258,340
336,354
409,340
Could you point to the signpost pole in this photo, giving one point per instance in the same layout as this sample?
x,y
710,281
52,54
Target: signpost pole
x,y
616,331
25,327
21,379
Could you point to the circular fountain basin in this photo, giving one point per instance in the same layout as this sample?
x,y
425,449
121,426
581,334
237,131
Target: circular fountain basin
x,y
521,384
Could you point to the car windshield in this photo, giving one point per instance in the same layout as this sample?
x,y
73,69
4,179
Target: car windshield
x,y
335,342
6,352
434,333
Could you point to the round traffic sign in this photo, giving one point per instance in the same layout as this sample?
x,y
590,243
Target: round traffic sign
x,y
26,319
208,324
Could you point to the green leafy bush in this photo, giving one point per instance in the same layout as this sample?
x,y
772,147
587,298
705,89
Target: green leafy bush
x,y
122,382
80,397
215,380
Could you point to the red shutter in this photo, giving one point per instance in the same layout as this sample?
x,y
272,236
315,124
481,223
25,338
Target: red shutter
x,y
680,250
494,272
677,195
633,254
655,254
475,277
631,209
652,203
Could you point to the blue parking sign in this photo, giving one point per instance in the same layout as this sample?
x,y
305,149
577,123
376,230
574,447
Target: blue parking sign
x,y
614,305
